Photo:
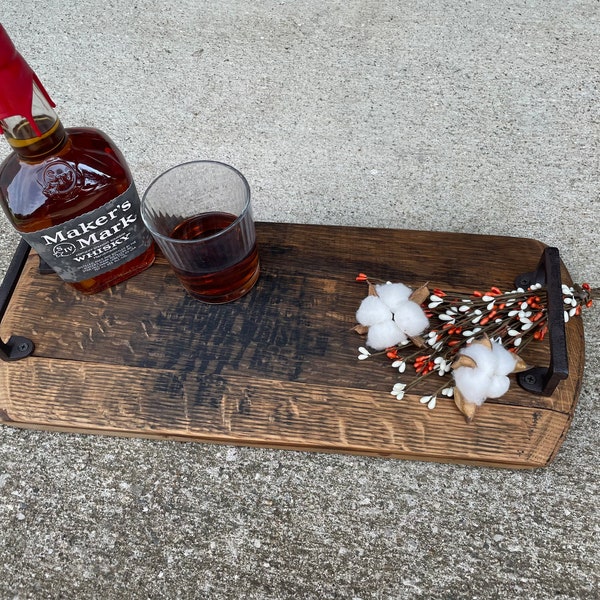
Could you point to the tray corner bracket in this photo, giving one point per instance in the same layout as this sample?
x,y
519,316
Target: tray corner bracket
x,y
17,347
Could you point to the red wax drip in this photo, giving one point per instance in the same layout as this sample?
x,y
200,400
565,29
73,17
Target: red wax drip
x,y
16,83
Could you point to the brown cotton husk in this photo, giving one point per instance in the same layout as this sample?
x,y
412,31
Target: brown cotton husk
x,y
468,409
361,329
464,361
484,341
418,341
419,295
372,290
521,365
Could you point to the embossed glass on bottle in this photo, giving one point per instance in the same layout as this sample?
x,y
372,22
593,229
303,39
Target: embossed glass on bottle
x,y
67,191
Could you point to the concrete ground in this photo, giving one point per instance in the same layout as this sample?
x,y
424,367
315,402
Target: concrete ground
x,y
461,116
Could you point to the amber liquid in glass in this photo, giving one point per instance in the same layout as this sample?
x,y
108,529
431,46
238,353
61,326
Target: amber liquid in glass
x,y
211,283
102,175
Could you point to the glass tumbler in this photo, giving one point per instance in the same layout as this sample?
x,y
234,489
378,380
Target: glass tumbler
x,y
200,215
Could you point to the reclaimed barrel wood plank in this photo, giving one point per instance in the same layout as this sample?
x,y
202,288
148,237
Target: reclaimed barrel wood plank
x,y
99,398
278,367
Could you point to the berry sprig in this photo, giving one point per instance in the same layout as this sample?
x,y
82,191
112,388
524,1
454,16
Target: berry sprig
x,y
516,317
513,319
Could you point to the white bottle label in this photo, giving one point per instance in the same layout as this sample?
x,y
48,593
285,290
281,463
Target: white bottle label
x,y
96,242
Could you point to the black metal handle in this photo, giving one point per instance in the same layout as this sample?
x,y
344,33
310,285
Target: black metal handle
x,y
16,347
543,380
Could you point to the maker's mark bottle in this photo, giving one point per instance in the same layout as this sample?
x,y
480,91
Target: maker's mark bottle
x,y
68,192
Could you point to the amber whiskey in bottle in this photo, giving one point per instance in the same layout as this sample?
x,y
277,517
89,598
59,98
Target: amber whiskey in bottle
x,y
67,191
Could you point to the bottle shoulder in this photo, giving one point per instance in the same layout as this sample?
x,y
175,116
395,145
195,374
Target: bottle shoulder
x,y
85,136
82,143
87,172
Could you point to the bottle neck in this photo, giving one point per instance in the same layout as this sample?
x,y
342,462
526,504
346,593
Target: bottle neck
x,y
40,138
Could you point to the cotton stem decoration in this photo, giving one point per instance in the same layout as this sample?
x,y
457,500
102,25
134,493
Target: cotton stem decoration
x,y
391,314
480,372
471,341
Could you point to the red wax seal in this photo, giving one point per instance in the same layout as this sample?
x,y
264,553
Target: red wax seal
x,y
16,83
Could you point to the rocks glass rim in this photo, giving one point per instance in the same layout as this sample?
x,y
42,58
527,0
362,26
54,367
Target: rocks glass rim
x,y
150,226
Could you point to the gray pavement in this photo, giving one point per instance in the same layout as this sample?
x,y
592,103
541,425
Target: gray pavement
x,y
461,116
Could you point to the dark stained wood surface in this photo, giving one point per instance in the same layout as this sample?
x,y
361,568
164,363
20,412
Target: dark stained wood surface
x,y
278,367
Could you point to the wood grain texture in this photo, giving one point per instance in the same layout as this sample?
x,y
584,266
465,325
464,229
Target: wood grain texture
x,y
277,368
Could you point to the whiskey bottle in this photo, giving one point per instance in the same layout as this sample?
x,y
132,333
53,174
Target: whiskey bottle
x,y
67,191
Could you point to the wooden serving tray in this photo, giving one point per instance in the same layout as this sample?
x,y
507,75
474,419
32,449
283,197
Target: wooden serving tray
x,y
279,367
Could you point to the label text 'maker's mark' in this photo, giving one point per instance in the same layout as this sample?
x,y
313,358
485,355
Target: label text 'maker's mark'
x,y
93,226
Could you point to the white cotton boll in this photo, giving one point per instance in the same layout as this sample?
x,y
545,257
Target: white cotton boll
x,y
384,335
372,311
410,318
498,386
393,294
473,384
483,356
489,378
505,360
